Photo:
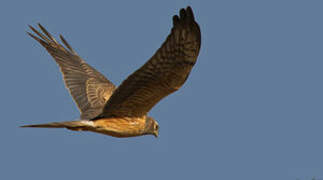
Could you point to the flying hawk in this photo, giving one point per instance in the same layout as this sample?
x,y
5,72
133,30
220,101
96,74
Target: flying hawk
x,y
122,111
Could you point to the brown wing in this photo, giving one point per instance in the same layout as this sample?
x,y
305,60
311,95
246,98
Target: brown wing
x,y
89,88
163,74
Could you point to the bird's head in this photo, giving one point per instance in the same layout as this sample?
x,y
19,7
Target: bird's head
x,y
152,126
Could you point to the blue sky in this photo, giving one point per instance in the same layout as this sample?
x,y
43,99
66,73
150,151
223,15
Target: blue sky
x,y
251,109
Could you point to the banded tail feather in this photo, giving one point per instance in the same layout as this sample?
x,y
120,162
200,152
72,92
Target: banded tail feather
x,y
72,125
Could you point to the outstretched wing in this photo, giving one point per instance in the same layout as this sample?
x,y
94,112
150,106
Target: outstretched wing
x,y
163,74
89,88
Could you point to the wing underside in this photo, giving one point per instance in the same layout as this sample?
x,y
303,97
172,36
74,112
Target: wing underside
x,y
88,87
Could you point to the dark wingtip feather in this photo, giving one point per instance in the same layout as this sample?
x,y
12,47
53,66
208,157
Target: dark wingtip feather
x,y
35,37
47,33
66,44
38,33
182,13
186,16
175,20
189,12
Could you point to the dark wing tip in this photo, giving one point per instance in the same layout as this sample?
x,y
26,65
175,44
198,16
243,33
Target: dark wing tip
x,y
67,44
182,13
47,33
189,12
186,16
186,21
46,39
175,20
41,41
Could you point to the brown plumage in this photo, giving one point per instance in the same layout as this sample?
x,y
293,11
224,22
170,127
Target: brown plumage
x,y
89,88
122,111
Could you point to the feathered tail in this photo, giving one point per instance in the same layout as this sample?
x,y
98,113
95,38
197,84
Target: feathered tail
x,y
72,125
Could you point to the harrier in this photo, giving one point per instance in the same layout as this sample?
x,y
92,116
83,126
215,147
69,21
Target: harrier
x,y
122,111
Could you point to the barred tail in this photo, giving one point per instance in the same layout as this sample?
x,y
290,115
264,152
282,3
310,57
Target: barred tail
x,y
72,125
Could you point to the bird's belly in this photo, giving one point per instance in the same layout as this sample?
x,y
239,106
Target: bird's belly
x,y
119,127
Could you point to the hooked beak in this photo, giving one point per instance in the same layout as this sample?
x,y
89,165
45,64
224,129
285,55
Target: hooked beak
x,y
156,134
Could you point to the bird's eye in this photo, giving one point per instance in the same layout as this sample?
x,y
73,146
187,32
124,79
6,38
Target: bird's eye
x,y
157,127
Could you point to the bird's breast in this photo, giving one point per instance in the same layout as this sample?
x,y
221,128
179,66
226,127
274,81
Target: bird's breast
x,y
120,127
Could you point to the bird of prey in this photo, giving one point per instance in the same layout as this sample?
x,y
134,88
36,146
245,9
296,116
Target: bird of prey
x,y
122,111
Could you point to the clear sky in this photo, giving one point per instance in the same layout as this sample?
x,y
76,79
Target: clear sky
x,y
251,108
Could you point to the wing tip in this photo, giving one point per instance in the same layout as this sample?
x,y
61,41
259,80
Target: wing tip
x,y
186,20
189,12
46,39
185,17
44,30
